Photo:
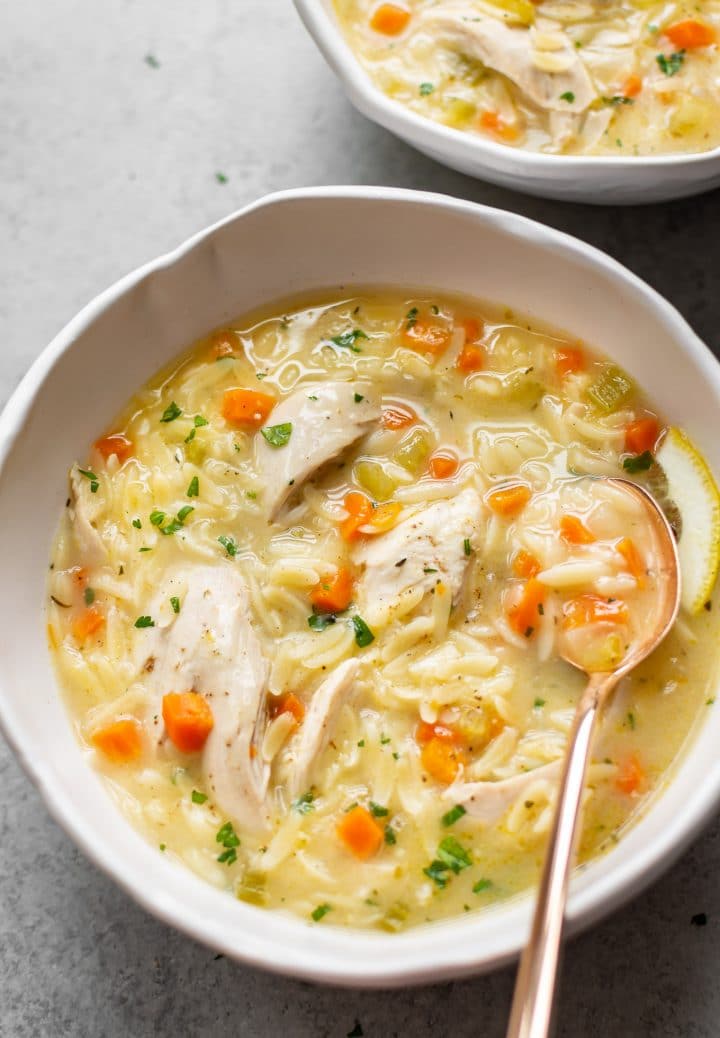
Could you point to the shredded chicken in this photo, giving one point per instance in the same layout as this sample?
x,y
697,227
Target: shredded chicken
x,y
319,722
325,419
85,508
488,801
427,548
551,78
210,647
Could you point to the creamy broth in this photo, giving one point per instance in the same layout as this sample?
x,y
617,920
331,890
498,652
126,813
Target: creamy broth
x,y
375,641
633,77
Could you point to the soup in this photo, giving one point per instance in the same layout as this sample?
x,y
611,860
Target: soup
x,y
312,589
630,77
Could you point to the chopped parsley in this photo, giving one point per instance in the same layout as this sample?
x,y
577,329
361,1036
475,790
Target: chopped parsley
x,y
318,622
175,603
197,797
199,420
467,547
639,462
429,569
152,62
349,339
277,435
568,96
384,739
425,89
89,595
437,872
94,482
317,913
671,64
453,854
221,178
390,837
359,398
305,803
363,634
453,815
193,489
377,810
411,318
137,524
157,518
631,721
229,544
229,839
178,522
171,412
482,884
144,621
538,703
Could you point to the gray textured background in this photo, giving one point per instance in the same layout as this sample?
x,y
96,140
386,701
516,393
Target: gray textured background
x,y
105,162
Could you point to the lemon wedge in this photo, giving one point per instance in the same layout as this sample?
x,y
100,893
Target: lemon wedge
x,y
693,490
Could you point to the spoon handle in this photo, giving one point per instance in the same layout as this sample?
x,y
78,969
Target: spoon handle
x,y
532,1008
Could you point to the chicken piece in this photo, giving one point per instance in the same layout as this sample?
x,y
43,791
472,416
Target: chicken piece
x,y
210,647
319,721
551,78
85,507
423,550
325,419
488,801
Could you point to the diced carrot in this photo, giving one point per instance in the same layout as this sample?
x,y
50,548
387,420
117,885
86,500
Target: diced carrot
x,y
569,360
188,720
690,33
360,509
442,759
632,86
360,833
222,344
633,558
525,565
574,531
471,358
425,336
525,614
334,594
88,622
443,464
509,501
631,775
116,444
494,123
247,406
425,731
397,416
641,435
389,19
591,608
473,329
121,741
382,518
287,704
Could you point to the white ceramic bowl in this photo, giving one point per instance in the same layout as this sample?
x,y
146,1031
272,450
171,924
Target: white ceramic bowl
x,y
289,243
601,180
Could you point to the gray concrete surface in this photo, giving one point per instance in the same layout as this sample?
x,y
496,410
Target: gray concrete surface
x,y
106,161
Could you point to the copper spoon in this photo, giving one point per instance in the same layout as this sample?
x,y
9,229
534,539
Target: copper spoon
x,y
533,1001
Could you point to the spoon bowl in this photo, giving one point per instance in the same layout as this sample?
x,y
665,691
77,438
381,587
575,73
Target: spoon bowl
x,y
534,997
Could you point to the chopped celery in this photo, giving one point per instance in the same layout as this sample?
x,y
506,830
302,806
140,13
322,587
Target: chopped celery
x,y
602,654
476,724
520,387
611,389
692,114
413,451
251,888
522,11
195,451
458,112
395,917
372,476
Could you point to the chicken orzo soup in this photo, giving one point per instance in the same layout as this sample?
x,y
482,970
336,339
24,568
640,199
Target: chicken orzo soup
x,y
625,77
310,593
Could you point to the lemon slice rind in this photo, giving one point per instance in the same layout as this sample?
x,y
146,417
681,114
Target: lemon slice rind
x,y
693,490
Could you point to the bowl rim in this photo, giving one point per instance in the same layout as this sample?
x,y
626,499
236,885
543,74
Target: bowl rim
x,y
395,962
402,121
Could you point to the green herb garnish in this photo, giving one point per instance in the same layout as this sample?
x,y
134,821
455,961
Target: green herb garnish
x,y
229,544
175,603
318,622
193,489
390,837
277,435
452,816
453,854
467,547
171,412
304,803
89,595
157,518
359,398
377,810
568,96
349,339
425,89
363,634
227,836
144,621
94,482
671,64
318,913
482,884
411,318
197,797
639,463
